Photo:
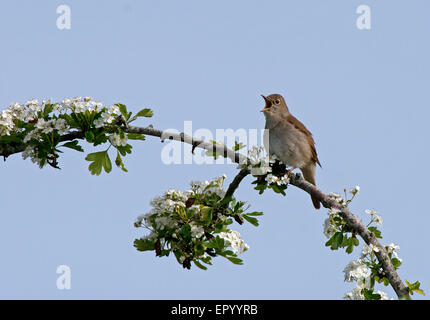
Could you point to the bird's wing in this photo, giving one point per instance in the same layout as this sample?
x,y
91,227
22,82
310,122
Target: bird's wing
x,y
301,127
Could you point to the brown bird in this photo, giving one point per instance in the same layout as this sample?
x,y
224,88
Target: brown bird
x,y
289,140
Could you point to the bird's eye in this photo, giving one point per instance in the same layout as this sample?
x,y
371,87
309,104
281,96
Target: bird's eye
x,y
277,101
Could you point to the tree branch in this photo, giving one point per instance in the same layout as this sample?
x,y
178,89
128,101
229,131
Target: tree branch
x,y
196,143
235,183
353,222
295,179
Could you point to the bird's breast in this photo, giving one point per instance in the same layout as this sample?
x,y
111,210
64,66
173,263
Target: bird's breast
x,y
288,144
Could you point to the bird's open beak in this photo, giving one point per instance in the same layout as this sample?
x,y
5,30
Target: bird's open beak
x,y
267,107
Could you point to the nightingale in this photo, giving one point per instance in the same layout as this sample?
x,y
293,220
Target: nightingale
x,y
289,140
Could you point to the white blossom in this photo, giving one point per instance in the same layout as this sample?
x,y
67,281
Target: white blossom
x,y
107,117
79,105
30,152
232,237
333,212
336,197
355,294
162,222
29,112
284,180
214,186
196,231
151,236
383,295
117,141
33,134
53,124
373,247
329,228
260,171
356,270
18,111
256,154
392,248
270,178
368,249
259,161
373,214
61,126
6,122
355,190
329,225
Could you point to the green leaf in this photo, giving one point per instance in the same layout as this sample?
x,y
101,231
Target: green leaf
x,y
228,253
48,109
420,291
89,135
415,287
207,215
100,138
216,243
226,200
220,242
376,232
198,264
77,123
335,242
119,163
238,146
124,149
212,154
148,113
345,241
207,260
396,262
122,109
386,281
355,241
339,239
277,189
235,260
99,160
9,139
144,244
73,145
255,213
261,187
369,295
251,220
136,136
185,232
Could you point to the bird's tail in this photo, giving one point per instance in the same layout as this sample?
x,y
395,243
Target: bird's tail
x,y
309,175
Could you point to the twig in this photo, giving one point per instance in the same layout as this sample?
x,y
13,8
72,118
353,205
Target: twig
x,y
235,183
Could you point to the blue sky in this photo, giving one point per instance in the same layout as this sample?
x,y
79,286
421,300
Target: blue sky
x,y
363,94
